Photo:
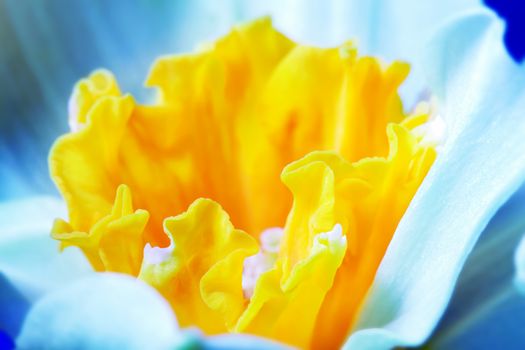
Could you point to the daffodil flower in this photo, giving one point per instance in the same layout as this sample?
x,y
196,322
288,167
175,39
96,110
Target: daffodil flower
x,y
328,269
230,121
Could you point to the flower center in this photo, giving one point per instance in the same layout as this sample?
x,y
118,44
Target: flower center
x,y
263,261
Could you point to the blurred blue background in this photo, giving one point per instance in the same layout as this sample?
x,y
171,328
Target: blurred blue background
x,y
513,11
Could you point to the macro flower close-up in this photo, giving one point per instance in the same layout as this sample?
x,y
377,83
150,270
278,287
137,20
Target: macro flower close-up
x,y
295,174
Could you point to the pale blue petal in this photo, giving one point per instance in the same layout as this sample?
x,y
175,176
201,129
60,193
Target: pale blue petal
x,y
29,257
485,310
481,94
104,311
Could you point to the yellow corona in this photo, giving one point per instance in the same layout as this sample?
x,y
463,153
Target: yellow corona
x,y
258,193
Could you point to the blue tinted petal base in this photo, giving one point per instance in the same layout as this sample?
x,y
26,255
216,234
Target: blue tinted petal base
x,y
481,94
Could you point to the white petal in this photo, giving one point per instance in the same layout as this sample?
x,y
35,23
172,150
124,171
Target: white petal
x,y
481,92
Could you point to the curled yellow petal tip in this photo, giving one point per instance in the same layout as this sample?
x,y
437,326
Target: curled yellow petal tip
x,y
115,242
202,275
87,92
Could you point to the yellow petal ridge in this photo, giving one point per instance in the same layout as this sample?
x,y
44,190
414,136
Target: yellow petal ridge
x,y
286,310
202,276
367,198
